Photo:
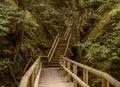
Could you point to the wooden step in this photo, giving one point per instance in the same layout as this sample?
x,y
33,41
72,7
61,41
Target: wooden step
x,y
53,64
63,41
60,51
55,60
61,46
56,57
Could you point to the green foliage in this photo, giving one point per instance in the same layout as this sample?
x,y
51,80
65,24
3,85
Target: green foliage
x,y
109,48
7,15
2,86
116,0
50,12
95,16
117,26
11,15
95,3
52,20
95,48
4,63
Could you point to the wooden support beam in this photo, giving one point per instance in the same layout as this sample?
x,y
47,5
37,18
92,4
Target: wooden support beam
x,y
28,80
85,76
75,72
64,63
105,83
106,77
32,79
68,66
76,78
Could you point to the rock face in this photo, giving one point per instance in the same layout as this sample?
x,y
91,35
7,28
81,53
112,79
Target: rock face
x,y
103,45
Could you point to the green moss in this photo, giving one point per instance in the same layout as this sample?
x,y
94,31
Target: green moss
x,y
99,28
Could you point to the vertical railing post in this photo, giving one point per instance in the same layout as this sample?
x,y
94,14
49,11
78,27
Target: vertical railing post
x,y
105,83
60,62
64,62
36,70
28,84
85,76
75,72
32,79
68,66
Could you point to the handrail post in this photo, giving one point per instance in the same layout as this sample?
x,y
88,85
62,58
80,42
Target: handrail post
x,y
75,72
85,76
106,78
32,79
105,83
60,62
28,84
64,63
68,66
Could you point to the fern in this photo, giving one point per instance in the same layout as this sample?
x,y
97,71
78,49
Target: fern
x,y
110,49
10,14
4,63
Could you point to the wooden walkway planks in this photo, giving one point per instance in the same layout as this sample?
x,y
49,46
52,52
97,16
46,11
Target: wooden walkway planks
x,y
52,77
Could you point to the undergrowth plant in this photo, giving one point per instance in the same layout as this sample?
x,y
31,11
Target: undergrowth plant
x,y
108,47
10,15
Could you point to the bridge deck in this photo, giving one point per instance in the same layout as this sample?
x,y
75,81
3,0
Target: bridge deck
x,y
52,77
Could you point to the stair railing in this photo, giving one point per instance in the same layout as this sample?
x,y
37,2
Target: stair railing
x,y
67,33
52,50
67,30
66,64
68,42
53,45
31,77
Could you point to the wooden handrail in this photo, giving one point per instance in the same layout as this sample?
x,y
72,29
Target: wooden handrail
x,y
36,84
31,77
80,82
68,33
53,45
67,30
106,77
67,45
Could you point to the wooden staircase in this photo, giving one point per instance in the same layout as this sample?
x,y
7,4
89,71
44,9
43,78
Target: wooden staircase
x,y
60,50
59,47
46,70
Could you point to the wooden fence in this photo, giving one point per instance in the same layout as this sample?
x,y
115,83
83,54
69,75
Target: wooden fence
x,y
68,64
31,77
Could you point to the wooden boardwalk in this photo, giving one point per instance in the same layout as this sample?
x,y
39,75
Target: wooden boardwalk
x,y
52,77
45,70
